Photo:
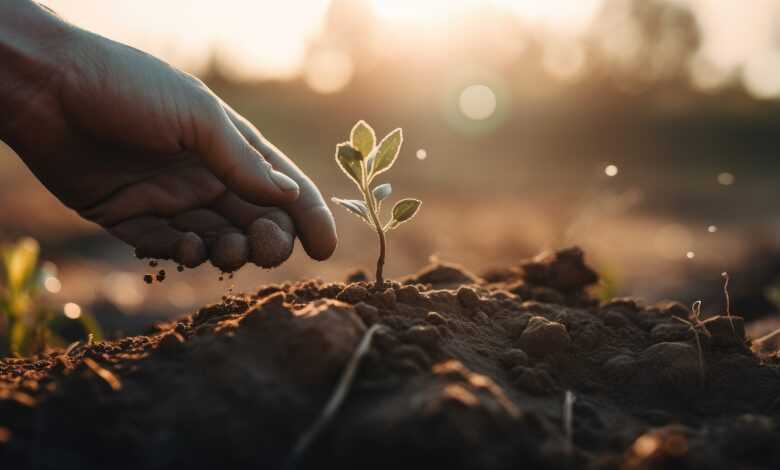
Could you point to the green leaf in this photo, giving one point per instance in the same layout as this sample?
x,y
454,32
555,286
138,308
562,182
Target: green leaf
x,y
384,155
382,192
363,138
403,211
355,207
350,161
20,261
19,338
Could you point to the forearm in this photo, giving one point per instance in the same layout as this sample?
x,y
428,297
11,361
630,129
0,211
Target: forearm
x,y
32,44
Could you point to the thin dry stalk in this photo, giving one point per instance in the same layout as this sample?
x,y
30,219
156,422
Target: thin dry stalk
x,y
759,344
336,399
568,419
726,279
694,324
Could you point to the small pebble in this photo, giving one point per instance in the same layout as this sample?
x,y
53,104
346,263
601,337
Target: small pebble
x,y
468,297
436,318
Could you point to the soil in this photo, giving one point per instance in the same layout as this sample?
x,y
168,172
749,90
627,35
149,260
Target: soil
x,y
469,372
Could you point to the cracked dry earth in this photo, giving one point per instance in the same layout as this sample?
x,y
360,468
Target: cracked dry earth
x,y
470,372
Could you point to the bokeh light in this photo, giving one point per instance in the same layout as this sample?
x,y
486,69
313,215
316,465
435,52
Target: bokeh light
x,y
328,71
477,102
611,170
712,228
72,310
124,289
422,154
52,285
761,75
726,178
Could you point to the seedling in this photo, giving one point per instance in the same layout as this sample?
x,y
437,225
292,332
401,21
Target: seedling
x,y
362,159
27,324
694,323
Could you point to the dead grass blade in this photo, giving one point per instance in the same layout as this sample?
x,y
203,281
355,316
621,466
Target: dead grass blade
x,y
336,399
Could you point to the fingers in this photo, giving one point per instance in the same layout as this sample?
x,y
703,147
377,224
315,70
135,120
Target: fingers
x,y
153,237
239,165
313,220
270,242
266,240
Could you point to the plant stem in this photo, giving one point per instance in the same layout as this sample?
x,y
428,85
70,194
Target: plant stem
x,y
380,263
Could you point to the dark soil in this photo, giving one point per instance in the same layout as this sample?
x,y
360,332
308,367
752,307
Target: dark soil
x,y
471,372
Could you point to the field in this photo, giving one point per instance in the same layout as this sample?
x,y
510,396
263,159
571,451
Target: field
x,y
592,281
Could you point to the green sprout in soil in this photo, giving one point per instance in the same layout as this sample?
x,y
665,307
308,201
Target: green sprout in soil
x,y
362,159
27,323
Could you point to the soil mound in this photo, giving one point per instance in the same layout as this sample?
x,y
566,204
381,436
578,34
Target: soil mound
x,y
469,372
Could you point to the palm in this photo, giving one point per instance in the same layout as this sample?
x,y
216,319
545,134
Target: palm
x,y
157,160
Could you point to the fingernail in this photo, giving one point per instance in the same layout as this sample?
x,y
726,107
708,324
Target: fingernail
x,y
284,182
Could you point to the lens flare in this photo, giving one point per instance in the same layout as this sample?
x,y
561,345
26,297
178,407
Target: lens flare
x,y
72,310
726,179
477,102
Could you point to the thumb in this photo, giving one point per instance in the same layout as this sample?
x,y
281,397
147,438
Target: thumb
x,y
240,167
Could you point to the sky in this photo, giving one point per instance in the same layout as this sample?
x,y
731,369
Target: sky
x,y
268,38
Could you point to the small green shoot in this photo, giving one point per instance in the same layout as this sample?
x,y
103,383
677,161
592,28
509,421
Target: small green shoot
x,y
362,159
27,323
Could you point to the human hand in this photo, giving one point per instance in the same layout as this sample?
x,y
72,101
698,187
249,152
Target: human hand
x,y
152,155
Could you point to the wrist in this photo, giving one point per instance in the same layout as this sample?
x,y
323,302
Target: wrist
x,y
33,45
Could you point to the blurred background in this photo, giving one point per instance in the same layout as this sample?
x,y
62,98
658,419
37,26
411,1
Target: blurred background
x,y
644,131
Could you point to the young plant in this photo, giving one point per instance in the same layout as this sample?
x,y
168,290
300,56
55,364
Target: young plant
x,y
27,324
362,159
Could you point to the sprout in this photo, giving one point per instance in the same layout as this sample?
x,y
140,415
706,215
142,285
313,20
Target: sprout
x,y
362,159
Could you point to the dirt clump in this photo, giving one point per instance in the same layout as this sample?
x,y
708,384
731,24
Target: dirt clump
x,y
466,372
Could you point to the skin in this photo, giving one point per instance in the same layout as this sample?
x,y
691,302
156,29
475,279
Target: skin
x,y
148,152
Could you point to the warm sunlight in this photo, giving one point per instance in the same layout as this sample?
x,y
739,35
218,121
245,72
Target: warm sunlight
x,y
418,11
266,38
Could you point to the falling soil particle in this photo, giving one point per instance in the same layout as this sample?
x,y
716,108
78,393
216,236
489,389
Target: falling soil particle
x,y
153,264
161,275
180,268
148,278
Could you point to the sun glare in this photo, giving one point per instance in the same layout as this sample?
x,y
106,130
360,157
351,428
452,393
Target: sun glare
x,y
417,10
477,102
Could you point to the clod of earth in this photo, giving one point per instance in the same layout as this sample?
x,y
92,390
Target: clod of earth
x,y
542,337
466,372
